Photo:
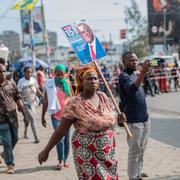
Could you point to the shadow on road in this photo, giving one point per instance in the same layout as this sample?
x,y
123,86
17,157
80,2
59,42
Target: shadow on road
x,y
26,142
167,178
35,169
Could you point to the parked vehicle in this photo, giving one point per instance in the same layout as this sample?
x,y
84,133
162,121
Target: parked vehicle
x,y
168,61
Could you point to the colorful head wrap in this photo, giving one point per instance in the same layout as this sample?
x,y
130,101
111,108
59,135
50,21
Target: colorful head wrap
x,y
63,82
81,73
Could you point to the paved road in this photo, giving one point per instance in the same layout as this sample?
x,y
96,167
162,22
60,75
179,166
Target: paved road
x,y
161,160
166,130
165,103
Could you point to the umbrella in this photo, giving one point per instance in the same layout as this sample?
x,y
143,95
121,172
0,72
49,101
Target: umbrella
x,y
28,62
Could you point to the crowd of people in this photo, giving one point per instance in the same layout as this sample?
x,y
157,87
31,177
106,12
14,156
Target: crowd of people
x,y
159,79
78,97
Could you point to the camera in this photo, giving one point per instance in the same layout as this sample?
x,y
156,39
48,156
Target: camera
x,y
156,62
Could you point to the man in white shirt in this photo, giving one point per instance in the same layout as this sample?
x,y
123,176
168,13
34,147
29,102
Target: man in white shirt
x,y
28,88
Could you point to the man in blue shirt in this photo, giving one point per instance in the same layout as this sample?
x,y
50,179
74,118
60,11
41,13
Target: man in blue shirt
x,y
133,104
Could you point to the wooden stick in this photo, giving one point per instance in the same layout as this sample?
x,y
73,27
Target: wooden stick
x,y
112,97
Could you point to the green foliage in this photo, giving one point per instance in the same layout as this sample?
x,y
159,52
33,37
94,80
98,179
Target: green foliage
x,y
137,30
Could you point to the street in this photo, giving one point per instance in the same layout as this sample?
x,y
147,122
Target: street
x,y
166,130
161,157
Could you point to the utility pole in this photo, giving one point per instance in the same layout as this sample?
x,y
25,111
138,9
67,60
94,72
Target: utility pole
x,y
32,42
110,46
126,27
46,36
164,27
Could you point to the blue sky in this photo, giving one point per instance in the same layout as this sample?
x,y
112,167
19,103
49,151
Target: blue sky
x,y
103,15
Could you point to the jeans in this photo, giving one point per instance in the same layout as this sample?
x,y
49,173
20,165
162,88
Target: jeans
x,y
64,144
137,145
9,135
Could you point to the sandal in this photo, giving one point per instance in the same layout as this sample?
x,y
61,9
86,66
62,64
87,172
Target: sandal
x,y
144,175
67,165
59,166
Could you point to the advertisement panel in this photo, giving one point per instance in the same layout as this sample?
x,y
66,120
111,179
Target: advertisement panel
x,y
164,21
38,26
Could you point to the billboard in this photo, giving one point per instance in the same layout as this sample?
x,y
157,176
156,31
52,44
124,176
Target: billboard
x,y
38,26
163,20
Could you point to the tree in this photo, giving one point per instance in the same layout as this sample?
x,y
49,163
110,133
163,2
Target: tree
x,y
137,30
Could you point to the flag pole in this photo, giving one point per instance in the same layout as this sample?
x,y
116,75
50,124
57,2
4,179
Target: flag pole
x,y
112,97
29,5
32,42
46,35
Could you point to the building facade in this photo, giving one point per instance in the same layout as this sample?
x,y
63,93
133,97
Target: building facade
x,y
52,37
11,39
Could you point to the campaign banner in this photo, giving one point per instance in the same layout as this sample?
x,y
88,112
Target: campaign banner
x,y
84,42
38,26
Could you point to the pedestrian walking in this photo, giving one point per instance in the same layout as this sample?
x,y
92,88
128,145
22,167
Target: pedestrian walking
x,y
93,140
175,76
3,62
133,104
163,82
57,92
155,82
41,81
29,90
148,88
9,96
72,74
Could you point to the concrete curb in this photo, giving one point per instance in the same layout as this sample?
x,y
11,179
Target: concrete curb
x,y
163,111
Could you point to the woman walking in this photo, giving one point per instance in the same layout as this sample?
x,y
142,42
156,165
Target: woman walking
x,y
58,90
93,140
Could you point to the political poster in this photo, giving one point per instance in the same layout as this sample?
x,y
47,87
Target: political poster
x,y
38,26
84,42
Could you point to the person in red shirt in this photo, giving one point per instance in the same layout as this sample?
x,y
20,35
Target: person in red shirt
x,y
41,78
41,81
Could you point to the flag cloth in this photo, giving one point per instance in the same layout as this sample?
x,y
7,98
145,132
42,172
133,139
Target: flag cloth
x,y
25,5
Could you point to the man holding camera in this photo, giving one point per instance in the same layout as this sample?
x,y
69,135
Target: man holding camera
x,y
133,104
